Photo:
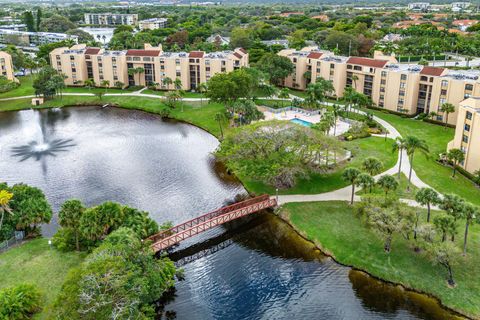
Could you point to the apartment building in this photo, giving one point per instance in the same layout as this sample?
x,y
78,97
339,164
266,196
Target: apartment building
x,y
467,134
111,19
6,66
147,66
404,88
24,38
152,24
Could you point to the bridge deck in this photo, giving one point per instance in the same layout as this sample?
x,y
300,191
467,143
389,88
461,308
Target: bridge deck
x,y
207,221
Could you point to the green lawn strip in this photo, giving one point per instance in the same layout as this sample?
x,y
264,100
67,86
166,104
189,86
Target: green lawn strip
x,y
335,229
437,176
25,89
35,262
320,183
401,191
275,104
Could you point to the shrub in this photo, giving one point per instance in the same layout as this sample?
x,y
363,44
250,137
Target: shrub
x,y
357,131
20,302
7,85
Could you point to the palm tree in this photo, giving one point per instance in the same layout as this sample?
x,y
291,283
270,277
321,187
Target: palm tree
x,y
470,213
178,84
354,79
351,175
456,156
139,71
372,165
412,144
365,181
427,197
202,89
447,108
387,183
167,81
453,205
284,94
5,198
172,98
220,117
105,84
89,83
399,145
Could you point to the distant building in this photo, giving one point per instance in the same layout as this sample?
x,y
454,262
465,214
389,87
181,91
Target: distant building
x,y
289,14
281,42
152,24
464,24
23,38
111,19
460,6
17,27
419,6
393,37
321,17
218,39
6,66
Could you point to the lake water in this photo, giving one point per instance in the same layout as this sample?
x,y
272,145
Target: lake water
x,y
257,268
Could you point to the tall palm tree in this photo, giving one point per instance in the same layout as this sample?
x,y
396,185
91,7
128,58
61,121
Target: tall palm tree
x,y
399,145
412,144
447,108
178,84
351,175
220,118
105,84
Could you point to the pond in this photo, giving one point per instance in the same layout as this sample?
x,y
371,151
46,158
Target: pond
x,y
257,268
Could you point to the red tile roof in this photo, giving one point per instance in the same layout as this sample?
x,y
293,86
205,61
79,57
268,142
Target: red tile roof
x,y
238,55
314,55
242,50
196,54
367,62
92,50
143,53
432,71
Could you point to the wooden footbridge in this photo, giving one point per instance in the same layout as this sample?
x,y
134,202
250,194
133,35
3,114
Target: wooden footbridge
x,y
170,237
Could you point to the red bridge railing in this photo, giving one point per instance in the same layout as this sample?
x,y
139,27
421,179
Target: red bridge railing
x,y
207,221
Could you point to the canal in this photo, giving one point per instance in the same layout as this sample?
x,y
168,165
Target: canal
x,y
258,268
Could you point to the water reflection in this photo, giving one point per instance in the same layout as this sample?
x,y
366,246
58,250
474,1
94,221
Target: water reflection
x,y
37,150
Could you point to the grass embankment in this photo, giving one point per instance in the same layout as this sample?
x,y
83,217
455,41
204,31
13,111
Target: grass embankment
x,y
25,89
319,183
334,228
436,175
402,192
35,262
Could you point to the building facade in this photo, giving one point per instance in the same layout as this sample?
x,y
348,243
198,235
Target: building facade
x,y
152,24
150,66
403,88
111,19
6,66
467,134
24,38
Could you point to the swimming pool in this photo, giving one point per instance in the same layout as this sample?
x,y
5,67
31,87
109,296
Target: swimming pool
x,y
302,122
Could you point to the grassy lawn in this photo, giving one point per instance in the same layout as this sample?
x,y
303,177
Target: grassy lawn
x,y
431,172
401,191
25,89
338,232
34,262
319,183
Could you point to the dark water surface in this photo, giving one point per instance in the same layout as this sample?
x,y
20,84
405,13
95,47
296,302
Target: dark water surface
x,y
253,269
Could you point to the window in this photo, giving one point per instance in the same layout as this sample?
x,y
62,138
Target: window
x,y
146,58
294,60
178,73
349,66
177,61
136,59
403,77
72,58
423,78
383,81
442,101
468,115
443,92
402,85
467,127
358,68
332,65
384,73
465,138
444,83
114,59
469,87
401,93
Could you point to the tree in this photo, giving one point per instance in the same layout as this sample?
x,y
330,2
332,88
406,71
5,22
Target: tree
x,y
276,67
365,181
445,225
470,214
247,112
89,83
177,84
172,98
39,19
5,197
227,88
427,197
220,118
105,84
83,36
240,38
351,175
119,84
97,222
446,255
413,144
202,88
284,94
29,21
18,57
456,156
372,165
167,81
476,177
447,108
57,23
20,302
121,279
454,206
399,145
70,215
387,183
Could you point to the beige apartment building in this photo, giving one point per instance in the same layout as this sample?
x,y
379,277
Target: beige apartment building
x,y
149,66
6,66
404,88
467,134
